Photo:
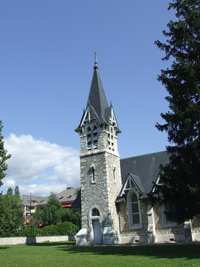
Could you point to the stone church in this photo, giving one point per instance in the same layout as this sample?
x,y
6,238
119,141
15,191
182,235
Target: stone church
x,y
115,206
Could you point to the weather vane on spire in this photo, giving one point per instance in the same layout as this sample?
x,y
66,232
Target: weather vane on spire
x,y
95,60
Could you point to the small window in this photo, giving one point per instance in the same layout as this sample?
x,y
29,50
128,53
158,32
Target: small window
x,y
95,144
95,212
88,130
92,174
95,129
92,137
114,169
93,177
95,136
89,144
89,138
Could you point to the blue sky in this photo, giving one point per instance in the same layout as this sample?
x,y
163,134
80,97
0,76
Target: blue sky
x,y
47,56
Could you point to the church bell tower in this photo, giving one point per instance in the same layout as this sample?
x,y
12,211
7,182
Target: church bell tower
x,y
99,168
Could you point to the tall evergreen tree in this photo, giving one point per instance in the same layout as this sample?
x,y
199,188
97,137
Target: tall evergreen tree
x,y
3,156
11,213
181,177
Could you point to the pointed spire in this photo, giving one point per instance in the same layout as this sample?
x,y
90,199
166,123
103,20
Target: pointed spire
x,y
97,101
95,60
97,98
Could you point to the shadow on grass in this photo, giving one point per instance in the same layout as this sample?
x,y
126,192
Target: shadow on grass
x,y
48,244
4,247
171,251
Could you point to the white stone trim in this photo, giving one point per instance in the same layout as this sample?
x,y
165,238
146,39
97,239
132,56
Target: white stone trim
x,y
170,237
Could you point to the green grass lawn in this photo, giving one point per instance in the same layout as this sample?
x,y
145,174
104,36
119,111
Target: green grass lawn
x,y
67,254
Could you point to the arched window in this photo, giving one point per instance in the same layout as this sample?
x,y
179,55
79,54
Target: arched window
x,y
114,170
93,176
95,212
89,130
134,210
92,137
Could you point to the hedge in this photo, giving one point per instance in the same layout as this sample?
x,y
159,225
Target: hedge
x,y
62,228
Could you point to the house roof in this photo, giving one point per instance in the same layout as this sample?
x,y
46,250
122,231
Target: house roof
x,y
66,196
145,167
35,200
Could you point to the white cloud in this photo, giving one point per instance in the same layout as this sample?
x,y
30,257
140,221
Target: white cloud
x,y
9,182
40,164
42,190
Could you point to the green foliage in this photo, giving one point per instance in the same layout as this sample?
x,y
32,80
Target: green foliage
x,y
11,213
71,215
6,228
51,213
36,219
3,156
62,228
181,177
53,201
29,232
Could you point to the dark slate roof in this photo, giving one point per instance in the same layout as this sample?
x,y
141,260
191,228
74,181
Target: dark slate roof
x,y
97,98
146,167
77,201
138,182
68,195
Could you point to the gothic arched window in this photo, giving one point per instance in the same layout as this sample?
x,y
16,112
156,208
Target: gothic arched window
x,y
134,210
89,138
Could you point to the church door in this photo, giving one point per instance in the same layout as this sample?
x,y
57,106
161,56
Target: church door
x,y
97,231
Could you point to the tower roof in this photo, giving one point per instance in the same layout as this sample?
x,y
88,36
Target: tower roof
x,y
97,103
97,98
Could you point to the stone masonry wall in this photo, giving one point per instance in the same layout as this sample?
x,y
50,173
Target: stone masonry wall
x,y
159,225
124,220
102,192
196,224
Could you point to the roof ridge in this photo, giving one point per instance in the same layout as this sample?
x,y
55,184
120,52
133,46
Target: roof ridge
x,y
145,154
